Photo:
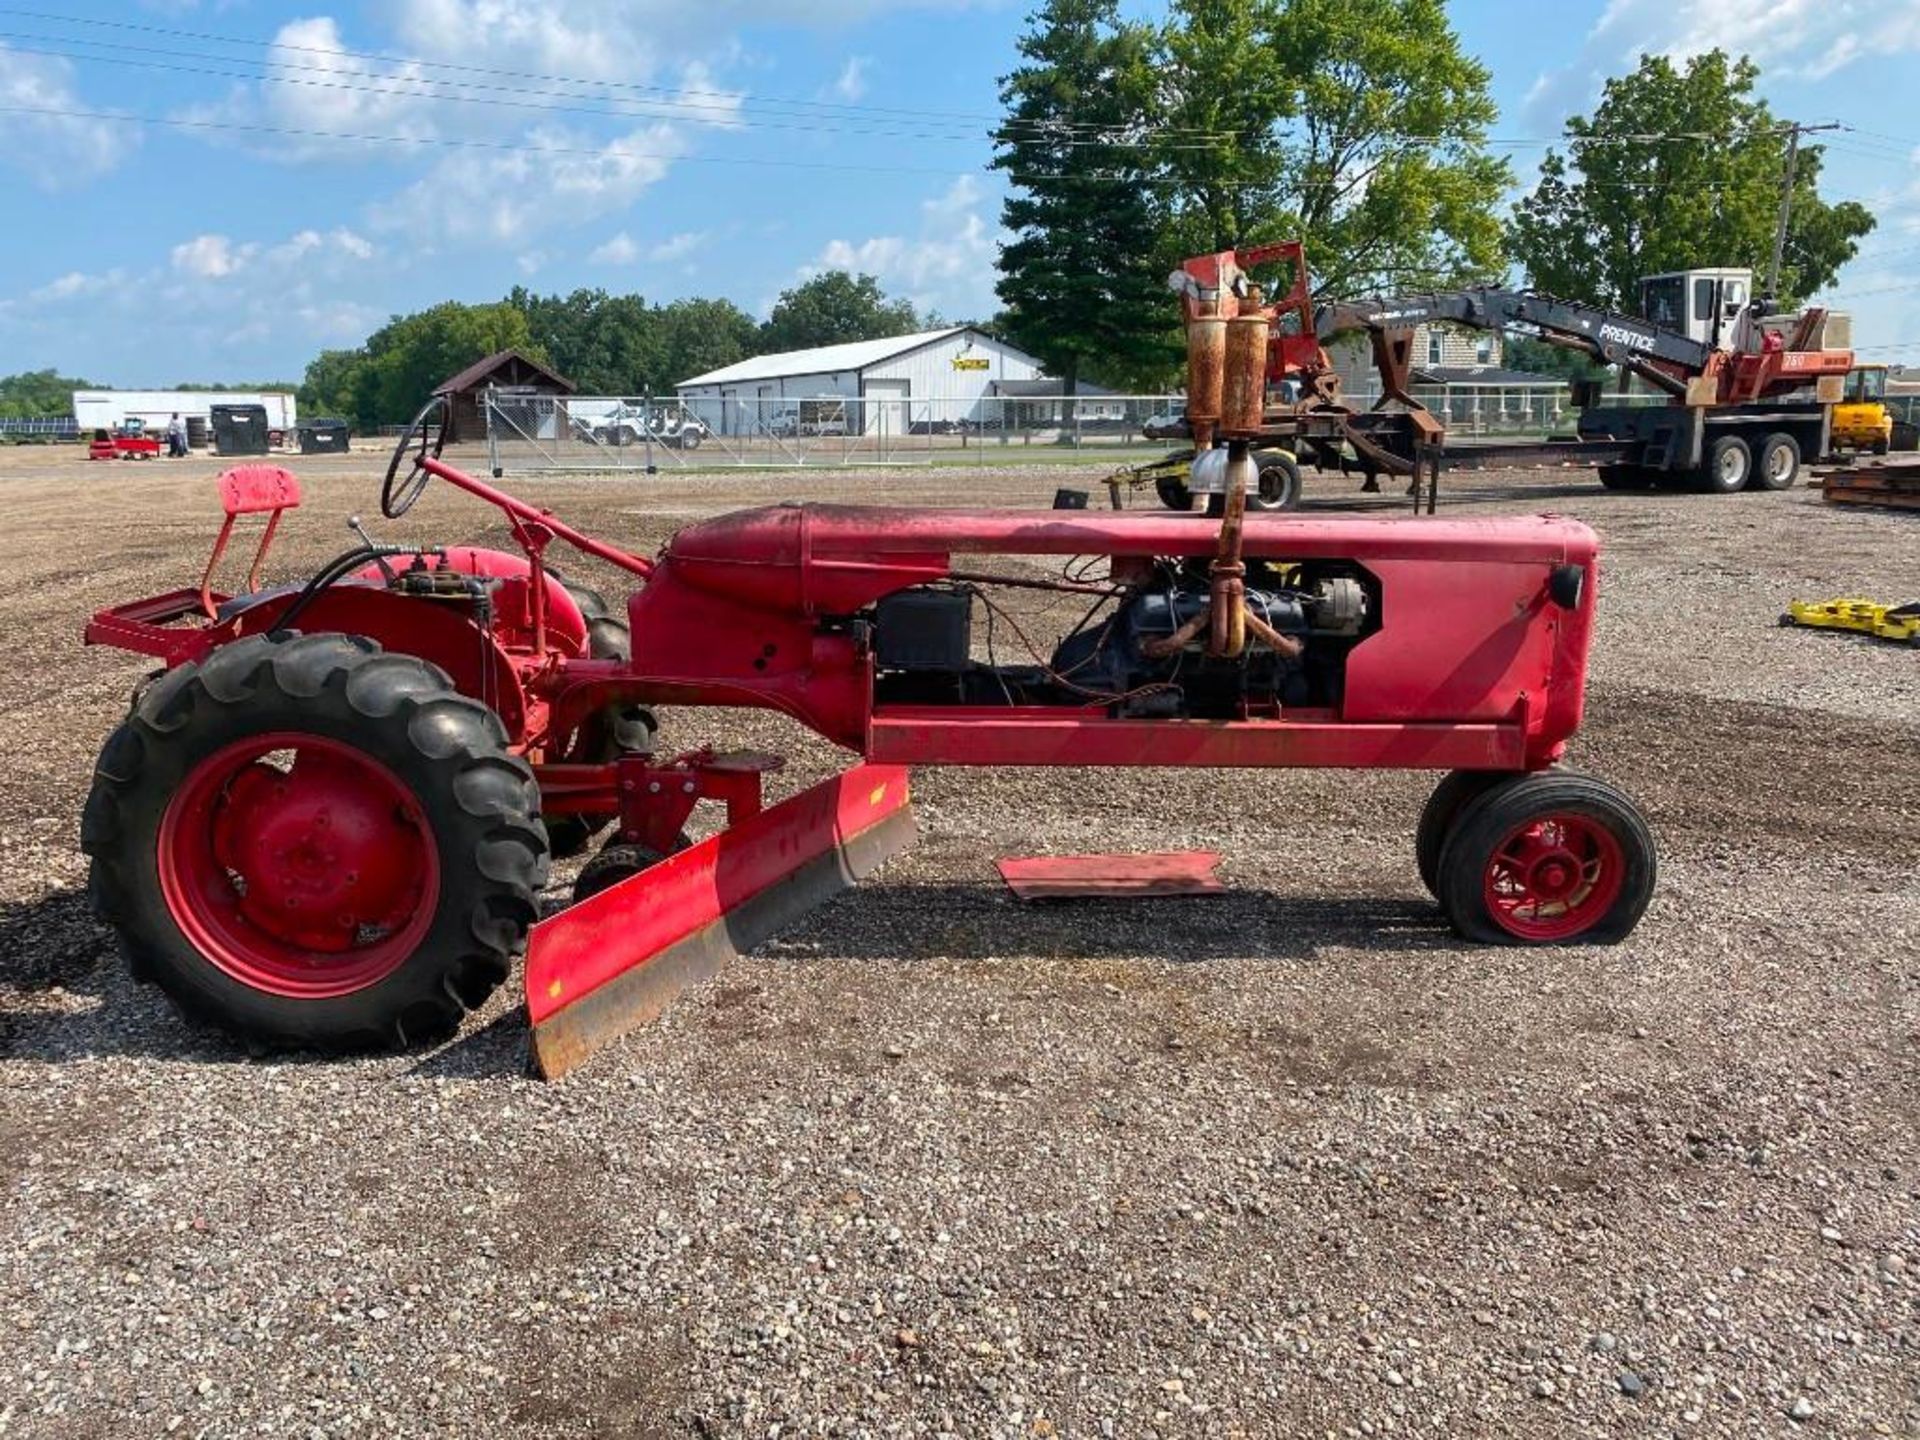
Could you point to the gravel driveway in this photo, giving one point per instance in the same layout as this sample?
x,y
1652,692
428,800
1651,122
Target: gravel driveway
x,y
1288,1162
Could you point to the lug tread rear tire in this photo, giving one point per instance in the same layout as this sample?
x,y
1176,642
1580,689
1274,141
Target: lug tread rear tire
x,y
480,802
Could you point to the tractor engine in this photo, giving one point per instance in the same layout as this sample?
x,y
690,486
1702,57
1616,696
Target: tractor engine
x,y
1144,654
1141,655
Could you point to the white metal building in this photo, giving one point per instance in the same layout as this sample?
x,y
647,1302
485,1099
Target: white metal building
x,y
104,409
935,376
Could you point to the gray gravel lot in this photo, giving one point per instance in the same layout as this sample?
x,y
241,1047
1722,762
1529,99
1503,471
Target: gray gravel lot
x,y
1288,1162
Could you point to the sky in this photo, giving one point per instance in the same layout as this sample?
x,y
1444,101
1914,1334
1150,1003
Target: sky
x,y
170,216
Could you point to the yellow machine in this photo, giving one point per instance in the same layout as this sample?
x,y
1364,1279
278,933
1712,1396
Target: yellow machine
x,y
1899,623
1861,421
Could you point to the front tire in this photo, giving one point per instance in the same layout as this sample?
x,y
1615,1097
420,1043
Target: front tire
x,y
308,842
1452,795
1551,858
1174,494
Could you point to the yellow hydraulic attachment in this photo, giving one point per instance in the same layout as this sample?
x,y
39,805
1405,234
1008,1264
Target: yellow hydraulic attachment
x,y
1899,623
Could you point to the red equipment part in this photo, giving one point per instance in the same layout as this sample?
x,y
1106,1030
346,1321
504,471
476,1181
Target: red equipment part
x,y
249,490
613,962
313,878
1442,645
1095,877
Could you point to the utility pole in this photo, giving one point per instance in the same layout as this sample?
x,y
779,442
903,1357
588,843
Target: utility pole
x,y
1794,132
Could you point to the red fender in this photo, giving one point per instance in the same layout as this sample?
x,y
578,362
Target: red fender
x,y
409,625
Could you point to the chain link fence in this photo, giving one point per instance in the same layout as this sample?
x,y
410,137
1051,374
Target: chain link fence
x,y
553,433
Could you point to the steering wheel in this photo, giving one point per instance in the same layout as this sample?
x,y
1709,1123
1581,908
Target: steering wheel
x,y
397,500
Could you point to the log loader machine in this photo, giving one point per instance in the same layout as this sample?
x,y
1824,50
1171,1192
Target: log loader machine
x,y
327,819
1738,396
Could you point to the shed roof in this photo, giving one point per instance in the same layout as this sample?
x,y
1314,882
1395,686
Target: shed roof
x,y
825,359
481,370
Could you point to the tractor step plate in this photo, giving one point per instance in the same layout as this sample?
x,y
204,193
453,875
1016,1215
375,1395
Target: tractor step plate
x,y
614,962
1093,877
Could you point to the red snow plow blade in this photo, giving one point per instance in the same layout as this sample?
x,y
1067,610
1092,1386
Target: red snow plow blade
x,y
615,961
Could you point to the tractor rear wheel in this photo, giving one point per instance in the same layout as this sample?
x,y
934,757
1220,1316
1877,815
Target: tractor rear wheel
x,y
1443,807
308,842
1551,858
606,734
618,861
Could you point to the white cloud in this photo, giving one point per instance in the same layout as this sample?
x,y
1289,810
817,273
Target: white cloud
x,y
55,150
530,262
851,83
616,250
505,197
75,284
220,293
948,266
677,247
211,257
1788,39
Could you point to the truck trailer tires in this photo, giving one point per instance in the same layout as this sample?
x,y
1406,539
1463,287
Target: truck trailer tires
x,y
1778,463
1728,466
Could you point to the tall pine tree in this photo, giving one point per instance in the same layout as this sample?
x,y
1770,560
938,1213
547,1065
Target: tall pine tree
x,y
1079,279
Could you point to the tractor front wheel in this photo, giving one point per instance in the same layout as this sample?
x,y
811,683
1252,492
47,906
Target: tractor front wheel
x,y
1551,858
308,842
1443,807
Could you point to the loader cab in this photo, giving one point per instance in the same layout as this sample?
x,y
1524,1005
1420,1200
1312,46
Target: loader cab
x,y
1700,304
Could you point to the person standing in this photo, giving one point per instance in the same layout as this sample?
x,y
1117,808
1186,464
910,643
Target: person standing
x,y
176,436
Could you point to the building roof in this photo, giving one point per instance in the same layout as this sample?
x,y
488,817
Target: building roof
x,y
481,370
823,359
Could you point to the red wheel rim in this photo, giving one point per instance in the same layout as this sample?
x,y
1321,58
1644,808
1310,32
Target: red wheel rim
x,y
298,865
1553,877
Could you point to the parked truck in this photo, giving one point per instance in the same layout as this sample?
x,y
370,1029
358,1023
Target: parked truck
x,y
1736,396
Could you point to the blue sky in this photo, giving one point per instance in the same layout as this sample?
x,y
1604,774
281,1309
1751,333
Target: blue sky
x,y
746,144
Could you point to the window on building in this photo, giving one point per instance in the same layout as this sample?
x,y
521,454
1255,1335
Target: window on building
x,y
1483,351
1436,349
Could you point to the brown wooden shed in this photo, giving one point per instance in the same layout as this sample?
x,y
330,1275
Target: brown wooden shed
x,y
510,372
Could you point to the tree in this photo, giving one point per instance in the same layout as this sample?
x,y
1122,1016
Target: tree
x,y
39,394
833,309
1537,357
1081,279
407,357
328,388
606,344
701,335
1678,169
1358,126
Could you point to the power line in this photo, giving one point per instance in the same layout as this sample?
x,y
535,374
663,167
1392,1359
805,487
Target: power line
x,y
676,97
727,97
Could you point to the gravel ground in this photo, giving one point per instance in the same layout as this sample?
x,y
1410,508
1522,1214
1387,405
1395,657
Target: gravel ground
x,y
1288,1162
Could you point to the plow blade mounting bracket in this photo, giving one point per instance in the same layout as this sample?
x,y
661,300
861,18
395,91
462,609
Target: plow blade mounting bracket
x,y
615,961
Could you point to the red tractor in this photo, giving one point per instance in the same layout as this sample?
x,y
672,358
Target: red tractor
x,y
328,819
